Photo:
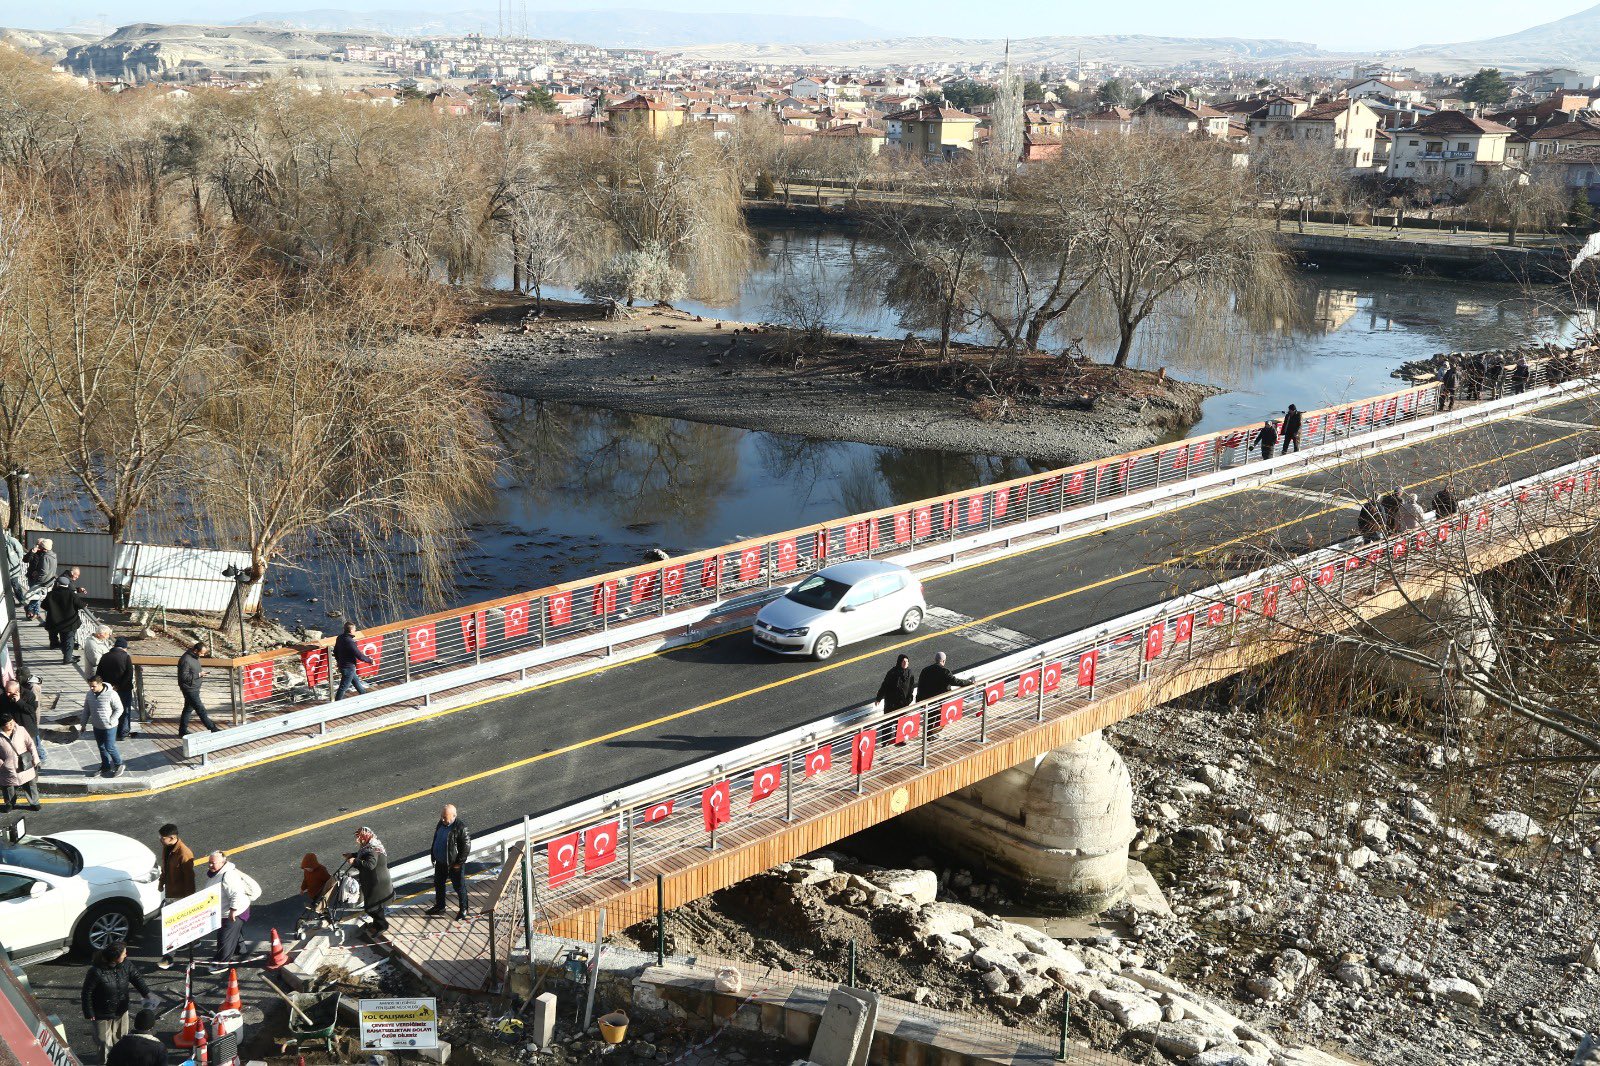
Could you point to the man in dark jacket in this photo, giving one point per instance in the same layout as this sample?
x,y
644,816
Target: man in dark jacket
x,y
62,606
346,654
22,704
372,871
1267,437
1369,523
105,994
899,685
189,674
451,843
1389,504
1521,374
1291,430
1447,387
142,1047
40,573
116,669
936,679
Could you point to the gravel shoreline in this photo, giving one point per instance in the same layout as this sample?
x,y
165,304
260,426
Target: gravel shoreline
x,y
665,362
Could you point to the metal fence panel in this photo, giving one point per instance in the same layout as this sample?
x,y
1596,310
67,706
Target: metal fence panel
x,y
184,579
91,553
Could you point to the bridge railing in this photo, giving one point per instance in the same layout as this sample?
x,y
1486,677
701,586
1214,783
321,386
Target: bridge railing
x,y
591,849
577,618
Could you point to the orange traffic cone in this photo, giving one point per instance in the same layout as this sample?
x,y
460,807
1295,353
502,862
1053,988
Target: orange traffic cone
x,y
201,1056
232,1000
192,1029
279,955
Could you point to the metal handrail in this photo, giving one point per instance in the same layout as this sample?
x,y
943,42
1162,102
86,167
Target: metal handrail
x,y
1133,648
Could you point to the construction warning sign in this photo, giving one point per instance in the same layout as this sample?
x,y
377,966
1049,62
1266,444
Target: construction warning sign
x,y
183,921
394,1024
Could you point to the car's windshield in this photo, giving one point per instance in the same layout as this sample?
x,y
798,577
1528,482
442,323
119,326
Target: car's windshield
x,y
819,592
42,855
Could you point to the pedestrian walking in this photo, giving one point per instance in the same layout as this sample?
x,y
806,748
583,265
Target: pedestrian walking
x,y
107,994
19,765
899,686
1444,502
451,843
1267,438
1291,429
102,710
346,655
1493,371
1521,374
115,668
94,649
239,891
314,876
41,574
1411,515
1447,387
142,1047
1369,522
371,861
21,703
1389,502
936,679
177,864
189,675
62,609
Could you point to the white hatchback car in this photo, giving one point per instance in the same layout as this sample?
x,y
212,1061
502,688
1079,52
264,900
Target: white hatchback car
x,y
73,891
840,605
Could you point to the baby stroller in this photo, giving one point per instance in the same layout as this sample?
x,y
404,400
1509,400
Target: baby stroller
x,y
339,901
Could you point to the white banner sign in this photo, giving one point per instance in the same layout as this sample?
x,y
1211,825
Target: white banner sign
x,y
397,1024
183,921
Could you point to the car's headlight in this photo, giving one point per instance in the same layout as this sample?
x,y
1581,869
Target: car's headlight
x,y
154,874
802,631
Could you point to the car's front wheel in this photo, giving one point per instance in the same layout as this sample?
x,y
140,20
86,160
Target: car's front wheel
x,y
912,620
825,646
105,923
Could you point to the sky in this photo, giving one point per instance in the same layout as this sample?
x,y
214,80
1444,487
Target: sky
x,y
1356,25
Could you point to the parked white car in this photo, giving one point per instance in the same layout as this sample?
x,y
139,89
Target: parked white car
x,y
840,605
74,891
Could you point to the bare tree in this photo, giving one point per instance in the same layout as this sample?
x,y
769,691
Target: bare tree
x,y
1516,200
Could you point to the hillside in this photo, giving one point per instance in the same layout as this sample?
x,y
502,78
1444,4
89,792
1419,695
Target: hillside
x,y
155,49
48,44
1573,41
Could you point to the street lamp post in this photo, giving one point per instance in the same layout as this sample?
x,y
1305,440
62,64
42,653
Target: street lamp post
x,y
241,578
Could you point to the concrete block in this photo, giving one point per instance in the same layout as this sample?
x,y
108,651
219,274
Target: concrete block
x,y
543,1030
843,1037
799,1027
869,1009
772,1018
439,1054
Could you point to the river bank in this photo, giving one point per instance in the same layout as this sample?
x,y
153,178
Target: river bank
x,y
662,361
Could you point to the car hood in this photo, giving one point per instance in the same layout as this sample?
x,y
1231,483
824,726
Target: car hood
x,y
109,857
784,613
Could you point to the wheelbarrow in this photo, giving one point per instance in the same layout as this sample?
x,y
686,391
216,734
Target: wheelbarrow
x,y
312,1017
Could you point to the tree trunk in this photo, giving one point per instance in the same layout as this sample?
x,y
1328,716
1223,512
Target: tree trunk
x,y
1125,346
14,500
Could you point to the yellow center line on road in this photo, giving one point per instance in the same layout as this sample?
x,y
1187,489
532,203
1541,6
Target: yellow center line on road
x,y
876,653
603,738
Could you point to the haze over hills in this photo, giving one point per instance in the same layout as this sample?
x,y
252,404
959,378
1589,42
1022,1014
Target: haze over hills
x,y
616,28
1573,41
151,49
1132,49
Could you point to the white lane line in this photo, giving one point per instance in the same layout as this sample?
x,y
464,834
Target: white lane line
x,y
1559,423
1312,495
988,634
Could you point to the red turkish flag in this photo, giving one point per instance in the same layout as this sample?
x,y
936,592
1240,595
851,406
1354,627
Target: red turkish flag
x,y
1075,482
1311,424
1405,402
1183,628
315,662
1046,486
558,608
257,681
421,643
819,761
1443,532
372,648
950,712
766,782
749,564
1483,519
604,598
1269,601
642,588
974,510
788,555
1155,638
902,527
1088,662
516,620
862,749
1217,614
1399,551
1326,575
855,538
1027,684
922,521
1178,458
993,693
599,846
672,580
1052,677
1002,500
710,571
716,805
819,545
1241,603
1297,585
658,812
471,630
561,859
907,728
949,508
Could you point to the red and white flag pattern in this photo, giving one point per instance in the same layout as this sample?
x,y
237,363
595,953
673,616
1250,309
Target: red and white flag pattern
x,y
819,761
600,845
766,782
716,804
561,859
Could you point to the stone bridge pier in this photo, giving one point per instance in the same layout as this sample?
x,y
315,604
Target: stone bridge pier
x,y
1056,828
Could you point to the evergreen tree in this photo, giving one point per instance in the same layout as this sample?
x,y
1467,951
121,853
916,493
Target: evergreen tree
x,y
1486,87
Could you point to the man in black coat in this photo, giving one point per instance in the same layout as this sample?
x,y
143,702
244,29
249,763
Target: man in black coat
x,y
936,679
372,872
116,669
142,1047
1291,430
189,675
346,655
1268,438
21,703
62,605
107,994
899,686
1369,523
451,843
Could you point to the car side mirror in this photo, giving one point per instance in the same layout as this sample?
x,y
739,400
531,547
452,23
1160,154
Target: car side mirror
x,y
39,888
846,609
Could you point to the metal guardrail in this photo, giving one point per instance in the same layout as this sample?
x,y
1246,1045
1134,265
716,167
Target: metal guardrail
x,y
611,838
528,630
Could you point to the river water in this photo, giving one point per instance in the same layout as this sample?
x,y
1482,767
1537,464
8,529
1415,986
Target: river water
x,y
588,490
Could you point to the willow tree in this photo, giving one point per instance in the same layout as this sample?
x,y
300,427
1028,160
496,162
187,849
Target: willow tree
x,y
660,216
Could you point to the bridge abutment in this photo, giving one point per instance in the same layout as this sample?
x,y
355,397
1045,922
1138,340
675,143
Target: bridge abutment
x,y
1056,828
1457,614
